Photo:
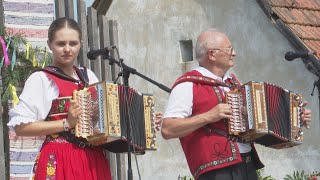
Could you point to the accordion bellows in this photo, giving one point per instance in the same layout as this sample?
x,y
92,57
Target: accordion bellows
x,y
266,114
105,111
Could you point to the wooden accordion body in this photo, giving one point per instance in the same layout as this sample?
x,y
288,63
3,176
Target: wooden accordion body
x,y
266,114
103,119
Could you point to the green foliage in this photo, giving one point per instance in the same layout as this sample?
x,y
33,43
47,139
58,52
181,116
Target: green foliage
x,y
260,177
302,176
24,66
297,175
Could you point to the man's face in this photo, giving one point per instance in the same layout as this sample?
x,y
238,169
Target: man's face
x,y
223,54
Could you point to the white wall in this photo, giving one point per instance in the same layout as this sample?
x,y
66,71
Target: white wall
x,y
149,34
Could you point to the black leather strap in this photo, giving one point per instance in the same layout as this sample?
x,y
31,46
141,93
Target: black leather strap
x,y
71,138
83,75
57,72
225,134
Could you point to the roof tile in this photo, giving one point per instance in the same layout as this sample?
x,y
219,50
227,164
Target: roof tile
x,y
281,3
302,17
313,46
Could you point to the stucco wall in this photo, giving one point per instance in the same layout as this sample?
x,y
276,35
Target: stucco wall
x,y
149,34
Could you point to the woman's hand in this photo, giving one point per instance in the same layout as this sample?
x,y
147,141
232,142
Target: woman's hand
x,y
73,113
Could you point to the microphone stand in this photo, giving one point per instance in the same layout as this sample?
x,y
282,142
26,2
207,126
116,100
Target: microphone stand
x,y
129,70
310,65
126,71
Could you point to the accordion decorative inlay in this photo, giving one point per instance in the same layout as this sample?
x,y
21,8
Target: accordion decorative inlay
x,y
105,111
266,114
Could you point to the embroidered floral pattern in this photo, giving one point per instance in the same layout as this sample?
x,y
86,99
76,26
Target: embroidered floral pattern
x,y
51,167
216,90
219,161
35,166
60,106
58,139
218,153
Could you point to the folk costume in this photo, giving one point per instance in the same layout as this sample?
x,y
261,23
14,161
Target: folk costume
x,y
207,148
61,156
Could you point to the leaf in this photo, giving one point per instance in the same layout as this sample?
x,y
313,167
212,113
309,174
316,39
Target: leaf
x,y
288,177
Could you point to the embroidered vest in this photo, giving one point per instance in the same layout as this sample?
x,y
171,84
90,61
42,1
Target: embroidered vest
x,y
207,151
60,106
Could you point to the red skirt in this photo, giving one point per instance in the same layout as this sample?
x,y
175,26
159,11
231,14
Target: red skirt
x,y
61,160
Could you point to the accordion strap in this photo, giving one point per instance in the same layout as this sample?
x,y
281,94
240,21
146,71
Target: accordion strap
x,y
72,139
200,80
225,134
82,73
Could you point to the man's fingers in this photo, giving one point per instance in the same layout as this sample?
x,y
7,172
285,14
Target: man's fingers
x,y
304,104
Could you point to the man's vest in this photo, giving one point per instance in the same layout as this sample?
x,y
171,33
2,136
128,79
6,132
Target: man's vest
x,y
207,151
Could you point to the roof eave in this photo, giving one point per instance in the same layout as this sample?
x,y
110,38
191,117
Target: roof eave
x,y
312,62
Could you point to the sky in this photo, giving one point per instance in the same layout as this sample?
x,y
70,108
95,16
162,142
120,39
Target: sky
x,y
89,2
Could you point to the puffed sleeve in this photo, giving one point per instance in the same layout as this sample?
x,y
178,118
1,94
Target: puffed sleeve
x,y
92,77
35,100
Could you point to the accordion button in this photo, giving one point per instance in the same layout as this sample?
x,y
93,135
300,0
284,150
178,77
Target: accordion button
x,y
300,132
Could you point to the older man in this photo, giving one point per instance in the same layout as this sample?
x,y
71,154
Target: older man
x,y
196,114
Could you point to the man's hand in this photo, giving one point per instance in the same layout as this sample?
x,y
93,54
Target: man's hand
x,y
305,116
220,111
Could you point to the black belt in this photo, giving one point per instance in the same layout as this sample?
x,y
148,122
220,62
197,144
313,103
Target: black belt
x,y
72,139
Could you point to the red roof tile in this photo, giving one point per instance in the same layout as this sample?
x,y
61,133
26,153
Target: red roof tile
x,y
302,17
313,46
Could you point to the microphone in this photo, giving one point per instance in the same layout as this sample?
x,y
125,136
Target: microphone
x,y
290,56
93,54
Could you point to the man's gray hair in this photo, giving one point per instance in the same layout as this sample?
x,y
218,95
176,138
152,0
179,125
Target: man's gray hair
x,y
202,45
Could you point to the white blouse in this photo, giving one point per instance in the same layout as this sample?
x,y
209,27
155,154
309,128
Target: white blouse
x,y
36,99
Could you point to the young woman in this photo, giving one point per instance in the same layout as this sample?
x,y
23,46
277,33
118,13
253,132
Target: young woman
x,y
46,108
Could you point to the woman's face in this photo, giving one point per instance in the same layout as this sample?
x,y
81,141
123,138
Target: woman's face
x,y
65,47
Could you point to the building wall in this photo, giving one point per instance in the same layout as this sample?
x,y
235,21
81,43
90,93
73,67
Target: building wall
x,y
149,35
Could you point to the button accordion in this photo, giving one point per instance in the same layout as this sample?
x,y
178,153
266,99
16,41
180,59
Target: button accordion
x,y
103,120
266,114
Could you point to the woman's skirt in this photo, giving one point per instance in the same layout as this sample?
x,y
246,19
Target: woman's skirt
x,y
61,160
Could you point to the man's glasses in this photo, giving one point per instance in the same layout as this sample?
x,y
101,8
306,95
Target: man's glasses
x,y
228,50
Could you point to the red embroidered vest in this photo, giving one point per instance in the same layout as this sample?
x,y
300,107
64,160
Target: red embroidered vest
x,y
60,106
207,151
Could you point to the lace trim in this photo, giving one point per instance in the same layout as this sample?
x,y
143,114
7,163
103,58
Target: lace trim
x,y
18,121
